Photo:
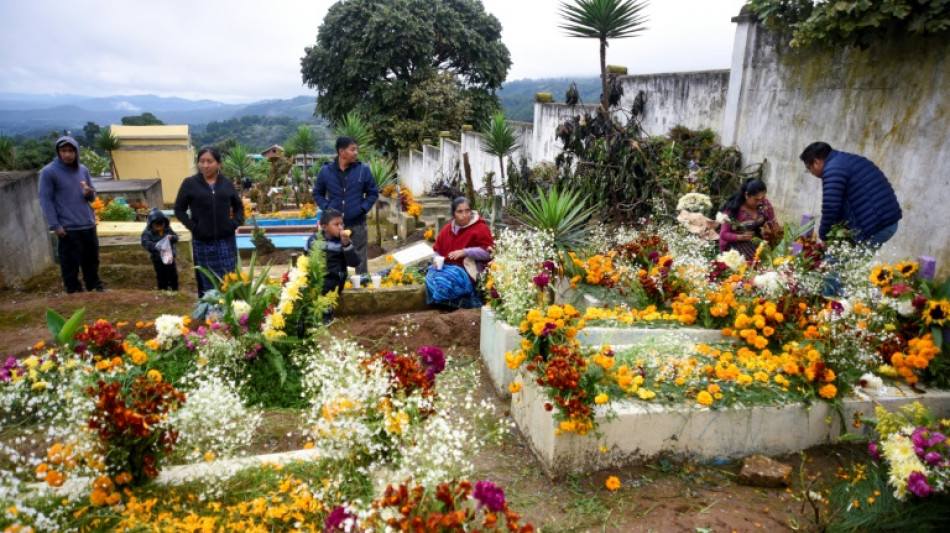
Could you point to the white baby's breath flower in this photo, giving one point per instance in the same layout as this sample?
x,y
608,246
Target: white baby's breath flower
x,y
871,382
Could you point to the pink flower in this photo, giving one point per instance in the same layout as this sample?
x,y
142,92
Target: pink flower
x,y
917,484
542,280
489,495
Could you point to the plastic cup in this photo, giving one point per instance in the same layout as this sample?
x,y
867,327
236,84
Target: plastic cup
x,y
438,261
355,281
377,279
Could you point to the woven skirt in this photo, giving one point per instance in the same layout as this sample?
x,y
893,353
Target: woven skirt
x,y
218,256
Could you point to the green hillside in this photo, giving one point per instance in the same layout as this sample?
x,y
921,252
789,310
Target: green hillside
x,y
517,97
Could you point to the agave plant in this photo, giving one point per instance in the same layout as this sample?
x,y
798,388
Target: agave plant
x,y
385,173
602,20
563,214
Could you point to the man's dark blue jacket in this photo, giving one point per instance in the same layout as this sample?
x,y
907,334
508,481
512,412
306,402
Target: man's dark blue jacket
x,y
854,190
352,191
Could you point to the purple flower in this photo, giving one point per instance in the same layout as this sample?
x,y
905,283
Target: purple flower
x,y
935,439
872,449
542,280
549,265
433,359
243,320
933,458
336,519
489,495
917,484
653,256
494,294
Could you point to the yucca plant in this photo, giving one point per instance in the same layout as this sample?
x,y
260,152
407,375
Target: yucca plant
x,y
303,142
108,143
562,213
602,20
237,165
354,126
385,174
499,140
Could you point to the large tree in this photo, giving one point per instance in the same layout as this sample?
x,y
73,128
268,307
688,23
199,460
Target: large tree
x,y
602,20
371,55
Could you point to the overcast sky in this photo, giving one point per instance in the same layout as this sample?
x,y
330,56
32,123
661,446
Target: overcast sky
x,y
244,50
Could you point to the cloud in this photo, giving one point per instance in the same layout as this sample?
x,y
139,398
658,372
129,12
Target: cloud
x,y
244,50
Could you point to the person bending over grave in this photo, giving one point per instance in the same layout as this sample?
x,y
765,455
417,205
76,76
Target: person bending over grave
x,y
462,250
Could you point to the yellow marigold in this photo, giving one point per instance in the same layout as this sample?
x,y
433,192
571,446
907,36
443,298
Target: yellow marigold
x,y
645,394
154,376
514,387
704,398
601,399
389,258
828,391
612,483
555,312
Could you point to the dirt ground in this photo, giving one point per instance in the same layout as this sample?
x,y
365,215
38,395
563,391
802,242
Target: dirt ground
x,y
657,496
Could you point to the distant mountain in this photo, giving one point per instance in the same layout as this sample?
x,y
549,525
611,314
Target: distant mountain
x,y
517,97
32,115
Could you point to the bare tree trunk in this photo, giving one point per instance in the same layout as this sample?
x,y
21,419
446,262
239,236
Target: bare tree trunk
x,y
604,97
504,185
468,179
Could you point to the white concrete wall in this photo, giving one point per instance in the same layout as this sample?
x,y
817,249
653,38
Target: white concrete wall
x,y
547,118
889,103
415,179
404,169
524,131
696,100
480,162
450,158
431,159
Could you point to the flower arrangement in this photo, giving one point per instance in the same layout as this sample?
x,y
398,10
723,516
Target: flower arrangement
x,y
694,202
452,506
518,257
906,483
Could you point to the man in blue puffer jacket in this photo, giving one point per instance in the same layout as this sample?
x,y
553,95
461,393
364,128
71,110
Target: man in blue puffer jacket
x,y
855,191
347,185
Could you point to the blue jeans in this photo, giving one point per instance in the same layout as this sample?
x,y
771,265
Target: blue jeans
x,y
831,288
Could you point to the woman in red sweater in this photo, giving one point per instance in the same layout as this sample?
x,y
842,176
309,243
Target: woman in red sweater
x,y
465,244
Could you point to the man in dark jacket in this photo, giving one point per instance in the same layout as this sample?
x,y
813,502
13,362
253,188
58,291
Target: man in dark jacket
x,y
66,193
855,191
347,185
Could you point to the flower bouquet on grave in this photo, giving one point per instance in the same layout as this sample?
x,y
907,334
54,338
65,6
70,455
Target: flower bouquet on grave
x,y
907,483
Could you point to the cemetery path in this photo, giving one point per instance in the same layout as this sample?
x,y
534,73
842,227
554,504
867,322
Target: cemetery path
x,y
660,496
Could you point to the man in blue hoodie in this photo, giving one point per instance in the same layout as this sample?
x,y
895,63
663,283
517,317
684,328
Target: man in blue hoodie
x,y
347,185
66,193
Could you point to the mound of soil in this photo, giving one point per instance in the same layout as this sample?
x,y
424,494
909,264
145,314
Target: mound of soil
x,y
410,331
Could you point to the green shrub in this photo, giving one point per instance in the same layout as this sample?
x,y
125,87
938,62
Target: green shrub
x,y
115,212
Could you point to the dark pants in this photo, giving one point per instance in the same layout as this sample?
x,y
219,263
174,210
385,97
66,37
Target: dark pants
x,y
332,281
80,249
167,275
360,238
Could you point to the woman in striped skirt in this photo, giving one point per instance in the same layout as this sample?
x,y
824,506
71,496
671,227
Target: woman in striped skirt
x,y
210,207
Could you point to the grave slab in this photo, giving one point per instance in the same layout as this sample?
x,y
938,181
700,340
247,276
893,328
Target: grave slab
x,y
498,337
643,431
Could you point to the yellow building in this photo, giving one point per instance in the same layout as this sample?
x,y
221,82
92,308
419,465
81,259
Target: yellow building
x,y
162,152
